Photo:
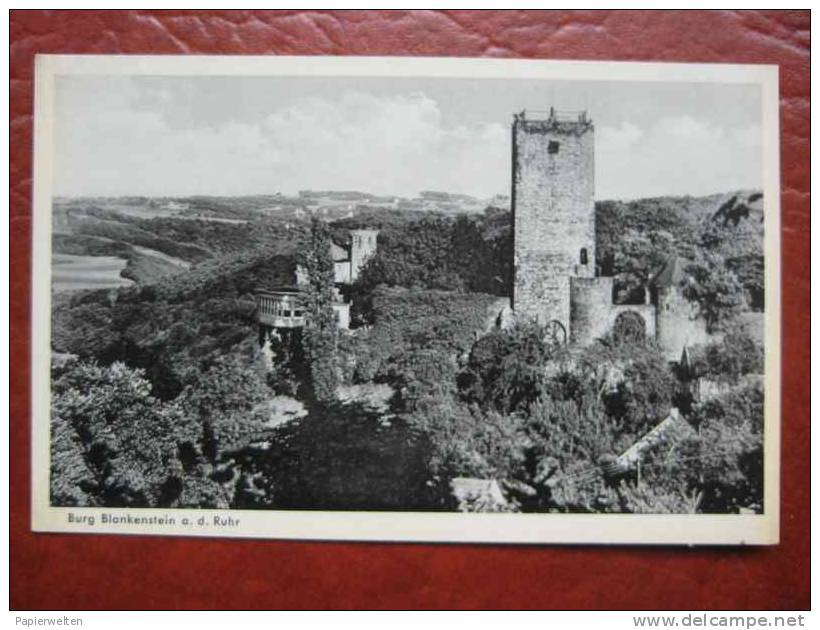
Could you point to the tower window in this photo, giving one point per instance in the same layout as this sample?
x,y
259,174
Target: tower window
x,y
553,146
584,256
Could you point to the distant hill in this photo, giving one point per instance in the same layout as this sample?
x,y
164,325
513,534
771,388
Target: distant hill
x,y
156,242
161,237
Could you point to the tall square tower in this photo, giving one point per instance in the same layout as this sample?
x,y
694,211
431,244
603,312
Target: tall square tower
x,y
362,248
553,211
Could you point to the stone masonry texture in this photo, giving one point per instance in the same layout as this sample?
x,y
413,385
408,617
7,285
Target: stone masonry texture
x,y
553,214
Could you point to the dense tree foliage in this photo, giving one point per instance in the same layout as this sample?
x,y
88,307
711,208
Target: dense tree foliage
x,y
344,457
114,442
117,445
729,462
634,239
634,381
406,320
730,357
175,328
448,253
715,289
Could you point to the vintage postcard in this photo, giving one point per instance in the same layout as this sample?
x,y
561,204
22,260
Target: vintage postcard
x,y
406,299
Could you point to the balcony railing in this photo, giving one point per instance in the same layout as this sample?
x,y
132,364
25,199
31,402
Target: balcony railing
x,y
279,310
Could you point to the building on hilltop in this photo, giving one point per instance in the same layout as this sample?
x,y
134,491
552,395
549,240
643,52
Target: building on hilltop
x,y
362,248
279,305
556,281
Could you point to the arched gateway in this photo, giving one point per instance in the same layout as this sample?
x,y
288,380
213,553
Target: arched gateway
x,y
629,326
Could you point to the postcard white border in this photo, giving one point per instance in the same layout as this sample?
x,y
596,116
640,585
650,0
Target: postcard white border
x,y
404,526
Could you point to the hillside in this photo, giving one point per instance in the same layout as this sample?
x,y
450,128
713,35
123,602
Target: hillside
x,y
194,279
461,399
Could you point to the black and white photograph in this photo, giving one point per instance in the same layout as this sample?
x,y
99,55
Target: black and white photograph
x,y
398,299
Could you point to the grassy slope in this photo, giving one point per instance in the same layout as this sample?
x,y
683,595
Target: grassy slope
x,y
140,267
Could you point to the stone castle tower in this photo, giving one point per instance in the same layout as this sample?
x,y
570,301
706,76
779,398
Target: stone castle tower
x,y
553,211
677,322
362,248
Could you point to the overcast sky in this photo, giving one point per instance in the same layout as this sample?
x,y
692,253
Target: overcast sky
x,y
178,136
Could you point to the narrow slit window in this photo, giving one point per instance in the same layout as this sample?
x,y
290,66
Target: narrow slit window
x,y
583,255
553,146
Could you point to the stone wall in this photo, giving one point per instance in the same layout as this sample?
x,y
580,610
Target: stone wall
x,y
591,301
594,314
553,214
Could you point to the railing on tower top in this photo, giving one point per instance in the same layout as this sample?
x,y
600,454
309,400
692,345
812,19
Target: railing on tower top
x,y
556,115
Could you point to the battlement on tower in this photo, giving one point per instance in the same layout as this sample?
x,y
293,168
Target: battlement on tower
x,y
554,121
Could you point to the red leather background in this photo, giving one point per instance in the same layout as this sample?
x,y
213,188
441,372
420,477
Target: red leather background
x,y
92,572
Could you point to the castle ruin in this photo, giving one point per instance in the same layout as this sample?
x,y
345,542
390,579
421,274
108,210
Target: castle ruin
x,y
556,280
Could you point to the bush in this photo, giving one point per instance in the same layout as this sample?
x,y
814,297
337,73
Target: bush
x,y
506,369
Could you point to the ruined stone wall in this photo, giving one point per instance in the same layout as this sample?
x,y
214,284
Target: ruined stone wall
x,y
362,248
678,324
553,214
591,301
594,314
